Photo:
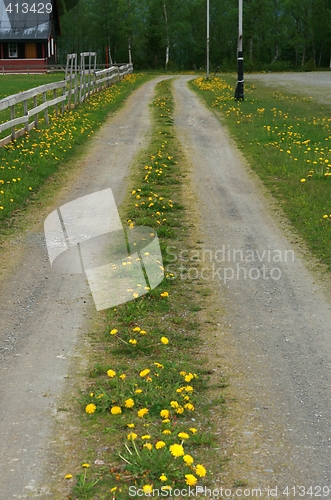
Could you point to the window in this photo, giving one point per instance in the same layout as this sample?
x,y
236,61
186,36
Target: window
x,y
12,49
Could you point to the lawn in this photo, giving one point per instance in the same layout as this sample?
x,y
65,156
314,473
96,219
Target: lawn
x,y
13,84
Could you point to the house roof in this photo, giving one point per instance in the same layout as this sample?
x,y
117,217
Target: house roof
x,y
19,25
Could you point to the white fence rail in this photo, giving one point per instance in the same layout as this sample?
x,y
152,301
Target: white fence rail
x,y
25,107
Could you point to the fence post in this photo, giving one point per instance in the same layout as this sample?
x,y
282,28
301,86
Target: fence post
x,y
46,109
56,105
25,104
12,117
36,115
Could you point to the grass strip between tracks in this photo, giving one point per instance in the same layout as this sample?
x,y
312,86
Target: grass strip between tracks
x,y
287,140
148,396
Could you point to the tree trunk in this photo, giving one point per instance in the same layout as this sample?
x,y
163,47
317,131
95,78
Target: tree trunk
x,y
130,33
109,53
320,54
277,53
303,56
167,35
130,52
251,49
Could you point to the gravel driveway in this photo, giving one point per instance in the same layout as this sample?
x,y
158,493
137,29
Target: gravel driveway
x,y
278,318
279,315
316,85
44,313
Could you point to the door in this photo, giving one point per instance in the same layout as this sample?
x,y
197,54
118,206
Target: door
x,y
30,50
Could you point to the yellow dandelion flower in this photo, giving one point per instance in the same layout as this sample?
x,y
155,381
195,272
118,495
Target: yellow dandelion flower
x,y
193,430
188,459
163,477
111,373
145,372
176,450
303,180
159,445
115,410
129,403
123,376
136,329
158,365
166,431
189,407
188,388
164,413
141,413
149,446
68,476
85,465
200,470
147,488
174,404
190,479
133,341
132,436
138,391
113,331
183,435
90,408
164,340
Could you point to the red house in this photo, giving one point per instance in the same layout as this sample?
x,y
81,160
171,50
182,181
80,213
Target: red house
x,y
28,35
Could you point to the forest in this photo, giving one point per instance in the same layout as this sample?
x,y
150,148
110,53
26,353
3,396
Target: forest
x,y
171,34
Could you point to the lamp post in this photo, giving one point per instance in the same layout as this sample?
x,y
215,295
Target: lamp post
x,y
207,72
239,93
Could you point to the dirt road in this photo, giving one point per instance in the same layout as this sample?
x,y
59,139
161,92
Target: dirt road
x,y
45,313
278,319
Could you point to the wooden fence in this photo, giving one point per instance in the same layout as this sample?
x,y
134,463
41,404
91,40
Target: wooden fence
x,y
77,86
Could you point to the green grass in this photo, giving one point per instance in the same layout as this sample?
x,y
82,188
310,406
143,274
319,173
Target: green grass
x,y
287,141
13,84
28,162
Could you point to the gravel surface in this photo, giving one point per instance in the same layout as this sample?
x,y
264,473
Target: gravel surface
x,y
44,313
279,325
280,317
316,85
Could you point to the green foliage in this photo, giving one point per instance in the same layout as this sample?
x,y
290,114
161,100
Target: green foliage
x,y
295,32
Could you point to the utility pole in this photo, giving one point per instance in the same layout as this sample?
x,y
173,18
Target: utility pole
x,y
207,72
239,93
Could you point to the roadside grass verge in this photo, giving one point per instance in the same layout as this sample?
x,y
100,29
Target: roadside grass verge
x,y
286,138
26,163
148,396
